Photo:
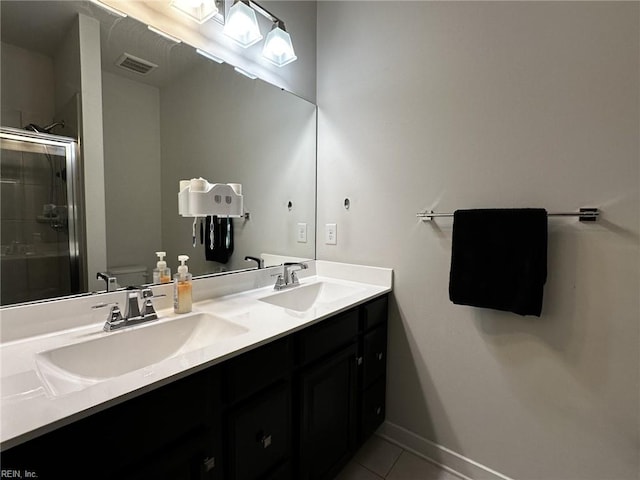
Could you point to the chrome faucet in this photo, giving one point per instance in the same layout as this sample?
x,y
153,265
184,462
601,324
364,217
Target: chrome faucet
x,y
133,314
109,280
289,277
259,261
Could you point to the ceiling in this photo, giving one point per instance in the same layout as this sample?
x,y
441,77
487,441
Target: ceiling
x,y
41,26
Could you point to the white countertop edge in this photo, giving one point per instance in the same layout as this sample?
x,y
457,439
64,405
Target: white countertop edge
x,y
105,394
379,276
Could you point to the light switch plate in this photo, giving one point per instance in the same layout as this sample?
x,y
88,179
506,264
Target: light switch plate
x,y
302,233
331,234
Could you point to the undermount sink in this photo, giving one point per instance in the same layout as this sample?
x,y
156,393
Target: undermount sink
x,y
301,298
73,367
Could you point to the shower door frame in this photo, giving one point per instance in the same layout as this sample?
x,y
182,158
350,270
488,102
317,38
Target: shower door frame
x,y
75,202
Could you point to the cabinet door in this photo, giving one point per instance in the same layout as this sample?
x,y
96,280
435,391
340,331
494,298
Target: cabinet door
x,y
327,415
259,434
372,411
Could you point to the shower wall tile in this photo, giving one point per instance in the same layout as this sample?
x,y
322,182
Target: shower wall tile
x,y
36,173
35,197
11,165
11,198
11,231
42,274
13,275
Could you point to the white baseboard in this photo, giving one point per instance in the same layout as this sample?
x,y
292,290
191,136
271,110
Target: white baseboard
x,y
445,458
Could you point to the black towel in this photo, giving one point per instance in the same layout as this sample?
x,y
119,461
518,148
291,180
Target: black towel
x,y
499,259
222,242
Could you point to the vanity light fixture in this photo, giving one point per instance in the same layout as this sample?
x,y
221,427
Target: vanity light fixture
x,y
198,10
245,73
109,9
164,34
242,27
209,56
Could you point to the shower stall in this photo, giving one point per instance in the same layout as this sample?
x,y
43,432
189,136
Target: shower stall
x,y
41,226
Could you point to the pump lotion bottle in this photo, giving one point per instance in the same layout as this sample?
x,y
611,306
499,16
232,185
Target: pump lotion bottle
x,y
182,299
161,274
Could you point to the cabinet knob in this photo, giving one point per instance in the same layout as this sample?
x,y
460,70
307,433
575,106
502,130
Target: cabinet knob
x,y
359,360
209,463
265,441
378,410
380,355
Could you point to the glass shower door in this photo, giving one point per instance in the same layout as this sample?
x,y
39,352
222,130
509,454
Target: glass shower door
x,y
39,248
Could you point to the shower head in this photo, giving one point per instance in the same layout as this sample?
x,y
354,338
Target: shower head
x,y
37,128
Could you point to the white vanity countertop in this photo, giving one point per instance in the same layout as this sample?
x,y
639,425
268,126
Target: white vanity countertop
x,y
31,406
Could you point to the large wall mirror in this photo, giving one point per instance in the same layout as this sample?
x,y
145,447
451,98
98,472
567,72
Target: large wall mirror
x,y
187,117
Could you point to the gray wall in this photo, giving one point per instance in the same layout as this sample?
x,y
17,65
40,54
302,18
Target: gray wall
x,y
131,119
226,128
449,105
28,87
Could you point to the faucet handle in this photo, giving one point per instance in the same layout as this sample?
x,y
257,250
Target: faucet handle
x,y
115,314
114,318
148,311
280,283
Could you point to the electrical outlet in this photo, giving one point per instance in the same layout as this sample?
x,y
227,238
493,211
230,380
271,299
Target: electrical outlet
x,y
302,233
331,234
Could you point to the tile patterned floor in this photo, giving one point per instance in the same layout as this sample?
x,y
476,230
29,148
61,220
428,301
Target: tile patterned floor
x,y
381,460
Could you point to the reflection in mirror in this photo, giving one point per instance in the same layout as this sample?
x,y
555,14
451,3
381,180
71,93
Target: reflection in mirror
x,y
187,117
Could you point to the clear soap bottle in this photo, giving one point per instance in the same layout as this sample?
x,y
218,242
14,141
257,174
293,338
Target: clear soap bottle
x,y
182,298
162,273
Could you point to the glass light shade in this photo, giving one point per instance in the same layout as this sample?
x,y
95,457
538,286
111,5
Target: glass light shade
x,y
278,48
241,25
198,10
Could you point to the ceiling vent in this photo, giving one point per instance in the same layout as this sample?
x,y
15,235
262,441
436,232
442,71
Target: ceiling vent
x,y
135,64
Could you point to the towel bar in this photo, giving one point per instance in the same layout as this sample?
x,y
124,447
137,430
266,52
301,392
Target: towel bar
x,y
585,215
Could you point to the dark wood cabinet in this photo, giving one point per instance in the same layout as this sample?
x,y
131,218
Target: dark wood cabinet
x,y
373,362
295,408
259,434
327,399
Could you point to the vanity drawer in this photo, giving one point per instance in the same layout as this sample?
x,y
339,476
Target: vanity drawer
x,y
327,336
374,313
154,420
374,353
252,371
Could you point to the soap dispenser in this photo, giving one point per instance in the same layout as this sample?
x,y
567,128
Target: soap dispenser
x,y
182,287
161,274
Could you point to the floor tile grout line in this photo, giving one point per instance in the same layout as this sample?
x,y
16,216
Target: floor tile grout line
x,y
369,470
394,462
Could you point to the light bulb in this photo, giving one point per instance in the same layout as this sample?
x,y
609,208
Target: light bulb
x,y
198,10
242,26
278,48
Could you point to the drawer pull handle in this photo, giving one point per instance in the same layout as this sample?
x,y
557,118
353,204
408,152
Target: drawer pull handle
x,y
209,463
266,441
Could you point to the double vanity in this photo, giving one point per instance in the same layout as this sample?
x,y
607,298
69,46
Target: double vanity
x,y
253,383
